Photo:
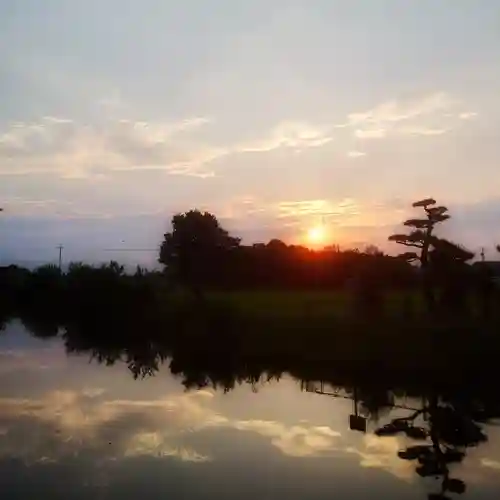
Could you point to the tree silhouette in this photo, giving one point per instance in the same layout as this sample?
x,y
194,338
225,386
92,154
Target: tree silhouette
x,y
422,238
450,428
194,248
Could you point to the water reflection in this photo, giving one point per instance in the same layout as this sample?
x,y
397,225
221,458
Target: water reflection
x,y
207,428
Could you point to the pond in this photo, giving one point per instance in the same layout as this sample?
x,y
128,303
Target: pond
x,y
70,428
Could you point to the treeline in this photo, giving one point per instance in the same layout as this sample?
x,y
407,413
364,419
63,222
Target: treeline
x,y
280,266
199,256
50,295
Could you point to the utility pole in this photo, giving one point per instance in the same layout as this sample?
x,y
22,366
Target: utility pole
x,y
482,254
60,247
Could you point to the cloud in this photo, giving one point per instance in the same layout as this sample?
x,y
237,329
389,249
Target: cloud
x,y
350,220
69,149
292,134
53,209
421,131
467,115
324,208
395,111
75,150
425,116
355,154
374,133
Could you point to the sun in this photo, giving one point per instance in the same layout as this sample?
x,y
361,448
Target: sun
x,y
316,235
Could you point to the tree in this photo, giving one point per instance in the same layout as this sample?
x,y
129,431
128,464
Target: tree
x,y
195,248
451,425
373,250
422,238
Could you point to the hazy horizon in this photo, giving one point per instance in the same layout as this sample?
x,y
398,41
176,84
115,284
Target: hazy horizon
x,y
275,117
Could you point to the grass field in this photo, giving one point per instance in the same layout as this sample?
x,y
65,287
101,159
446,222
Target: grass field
x,y
312,304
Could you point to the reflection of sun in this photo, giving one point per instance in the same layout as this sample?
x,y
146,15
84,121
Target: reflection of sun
x,y
316,235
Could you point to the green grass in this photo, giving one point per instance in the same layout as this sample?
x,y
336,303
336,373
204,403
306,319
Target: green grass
x,y
308,304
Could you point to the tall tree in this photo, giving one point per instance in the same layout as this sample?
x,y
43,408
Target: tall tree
x,y
195,248
422,238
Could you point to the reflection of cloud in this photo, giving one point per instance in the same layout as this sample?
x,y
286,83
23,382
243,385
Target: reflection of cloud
x,y
93,392
154,443
73,420
297,440
64,422
382,452
37,359
491,464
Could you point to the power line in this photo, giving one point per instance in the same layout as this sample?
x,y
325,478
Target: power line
x,y
130,249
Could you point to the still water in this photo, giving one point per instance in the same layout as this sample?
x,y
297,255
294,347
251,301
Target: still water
x,y
74,429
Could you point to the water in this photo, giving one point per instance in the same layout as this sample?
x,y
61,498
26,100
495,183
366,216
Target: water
x,y
74,429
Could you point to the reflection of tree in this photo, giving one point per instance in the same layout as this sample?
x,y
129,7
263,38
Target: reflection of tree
x,y
207,346
449,428
375,403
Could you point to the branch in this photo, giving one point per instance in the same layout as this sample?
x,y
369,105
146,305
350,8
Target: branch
x,y
408,240
437,210
412,417
408,256
439,217
418,223
407,244
424,203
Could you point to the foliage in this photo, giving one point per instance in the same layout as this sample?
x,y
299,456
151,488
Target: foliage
x,y
441,261
200,255
195,245
421,236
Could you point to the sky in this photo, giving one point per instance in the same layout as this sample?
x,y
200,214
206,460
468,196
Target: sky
x,y
274,116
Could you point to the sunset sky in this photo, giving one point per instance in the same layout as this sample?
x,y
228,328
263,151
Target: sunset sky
x,y
276,116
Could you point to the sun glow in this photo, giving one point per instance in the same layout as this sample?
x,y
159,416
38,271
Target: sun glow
x,y
317,235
